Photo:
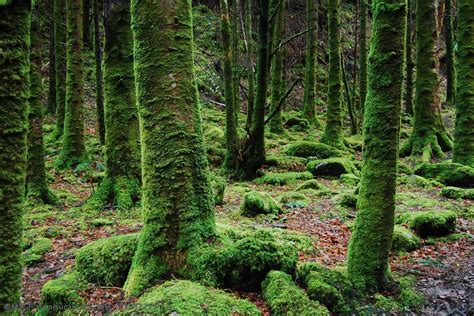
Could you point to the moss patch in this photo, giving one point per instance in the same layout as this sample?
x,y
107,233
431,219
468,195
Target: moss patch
x,y
404,239
452,174
294,199
256,203
429,223
284,178
331,167
64,290
310,149
457,193
38,249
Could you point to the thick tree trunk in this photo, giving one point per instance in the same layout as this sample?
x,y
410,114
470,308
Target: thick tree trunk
x,y
410,65
464,131
235,59
73,149
250,63
86,22
277,70
450,70
14,67
177,202
371,241
60,63
99,93
333,132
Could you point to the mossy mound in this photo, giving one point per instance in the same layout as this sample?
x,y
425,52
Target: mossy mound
x,y
297,121
404,239
242,263
457,193
331,167
283,178
64,290
294,199
406,300
180,297
286,162
218,185
348,200
349,179
256,203
311,184
311,149
37,251
429,223
416,181
452,174
327,286
107,261
285,298
404,169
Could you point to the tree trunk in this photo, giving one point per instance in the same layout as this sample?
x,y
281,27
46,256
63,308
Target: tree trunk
x,y
410,65
99,93
86,22
363,16
14,67
51,107
371,241
177,202
249,62
60,63
277,70
464,131
333,132
450,70
235,59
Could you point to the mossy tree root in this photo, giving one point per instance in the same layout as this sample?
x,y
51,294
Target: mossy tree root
x,y
122,193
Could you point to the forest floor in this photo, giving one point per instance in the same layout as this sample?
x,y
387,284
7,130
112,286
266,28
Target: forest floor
x,y
444,269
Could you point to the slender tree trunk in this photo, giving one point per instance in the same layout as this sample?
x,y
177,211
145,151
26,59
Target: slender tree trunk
x,y
410,64
235,59
333,132
309,103
464,131
51,107
14,67
371,241
450,70
99,93
177,202
73,150
277,70
86,22
429,137
349,99
363,16
355,73
250,62
60,63
254,148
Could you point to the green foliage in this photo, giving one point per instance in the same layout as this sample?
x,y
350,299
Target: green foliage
x,y
294,199
64,290
331,167
415,181
429,223
306,149
404,239
256,203
39,248
188,298
218,185
285,298
458,193
404,169
107,261
452,174
284,178
311,184
349,179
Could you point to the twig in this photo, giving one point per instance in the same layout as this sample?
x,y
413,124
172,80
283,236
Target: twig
x,y
282,100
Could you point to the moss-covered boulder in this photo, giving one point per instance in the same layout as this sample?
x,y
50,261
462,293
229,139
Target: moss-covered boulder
x,y
36,252
283,297
417,181
404,169
180,297
218,185
348,200
284,178
349,179
294,199
64,290
331,167
242,263
452,174
256,203
107,261
297,121
457,193
310,184
404,239
429,223
311,149
286,162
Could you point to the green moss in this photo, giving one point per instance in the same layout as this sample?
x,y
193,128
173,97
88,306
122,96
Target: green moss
x,y
429,223
296,121
415,181
451,174
284,298
218,185
284,178
349,179
404,239
348,200
286,162
310,149
458,193
310,184
107,261
100,222
331,167
294,199
256,203
39,248
188,298
64,290
404,169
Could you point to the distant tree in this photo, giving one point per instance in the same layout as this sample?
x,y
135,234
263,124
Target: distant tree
x,y
429,136
372,237
14,68
87,5
363,35
449,41
410,65
177,202
235,58
73,149
464,131
60,63
249,62
99,93
51,106
333,131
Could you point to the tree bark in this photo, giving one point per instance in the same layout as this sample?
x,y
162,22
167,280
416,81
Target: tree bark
x,y
99,90
277,70
60,63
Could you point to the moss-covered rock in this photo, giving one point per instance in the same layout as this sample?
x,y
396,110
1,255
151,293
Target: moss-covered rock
x,y
294,199
285,298
107,261
283,178
429,223
218,185
311,184
64,290
348,200
180,297
37,250
404,239
416,181
349,179
311,149
404,169
331,167
256,203
286,162
299,122
457,193
242,263
452,174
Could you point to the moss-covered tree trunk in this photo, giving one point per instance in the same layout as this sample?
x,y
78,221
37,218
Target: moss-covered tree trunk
x,y
235,58
51,106
371,241
36,184
99,91
86,21
309,103
429,137
60,63
253,156
278,84
448,37
363,30
249,62
410,64
464,131
14,68
73,150
333,131
230,126
177,202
